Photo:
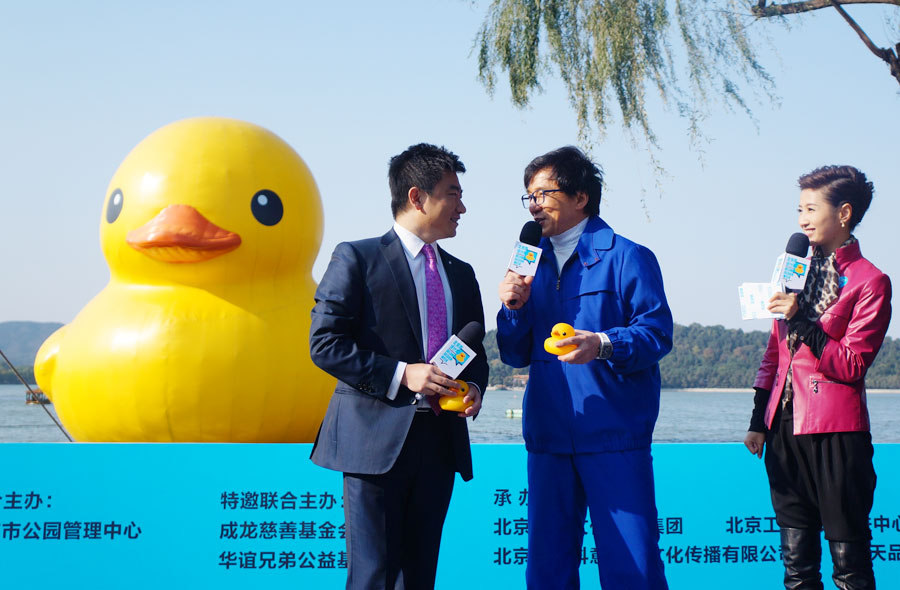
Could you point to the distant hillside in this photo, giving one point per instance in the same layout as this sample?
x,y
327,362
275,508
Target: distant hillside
x,y
20,341
885,373
702,356
713,356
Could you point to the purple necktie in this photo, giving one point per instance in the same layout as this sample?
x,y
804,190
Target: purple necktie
x,y
437,312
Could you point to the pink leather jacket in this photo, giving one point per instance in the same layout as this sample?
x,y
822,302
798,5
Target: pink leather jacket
x,y
830,392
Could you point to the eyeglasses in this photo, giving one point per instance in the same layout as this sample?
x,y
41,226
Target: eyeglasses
x,y
537,197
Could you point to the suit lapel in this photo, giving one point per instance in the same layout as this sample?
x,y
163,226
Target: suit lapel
x,y
392,249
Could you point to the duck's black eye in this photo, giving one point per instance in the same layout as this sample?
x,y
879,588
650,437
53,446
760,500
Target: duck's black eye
x,y
114,205
267,207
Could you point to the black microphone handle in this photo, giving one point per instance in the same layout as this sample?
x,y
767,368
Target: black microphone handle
x,y
531,235
471,333
513,301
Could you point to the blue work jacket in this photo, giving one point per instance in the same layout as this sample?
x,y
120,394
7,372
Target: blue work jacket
x,y
612,285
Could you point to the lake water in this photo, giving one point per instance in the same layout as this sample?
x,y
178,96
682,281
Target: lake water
x,y
684,417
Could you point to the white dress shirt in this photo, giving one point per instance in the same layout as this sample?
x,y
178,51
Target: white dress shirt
x,y
412,247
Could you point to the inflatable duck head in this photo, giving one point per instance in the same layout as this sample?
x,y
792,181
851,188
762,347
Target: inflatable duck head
x,y
210,227
210,201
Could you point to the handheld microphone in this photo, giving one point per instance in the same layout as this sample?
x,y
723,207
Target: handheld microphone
x,y
798,244
456,354
526,254
791,270
792,267
470,335
531,233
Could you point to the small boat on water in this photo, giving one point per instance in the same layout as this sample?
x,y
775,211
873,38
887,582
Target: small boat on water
x,y
32,396
36,397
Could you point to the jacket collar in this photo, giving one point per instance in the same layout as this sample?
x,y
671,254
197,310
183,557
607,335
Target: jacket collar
x,y
596,238
847,254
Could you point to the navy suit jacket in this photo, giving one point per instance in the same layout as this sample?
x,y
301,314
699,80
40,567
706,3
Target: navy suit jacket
x,y
366,318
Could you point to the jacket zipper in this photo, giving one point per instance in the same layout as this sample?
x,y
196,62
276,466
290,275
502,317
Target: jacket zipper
x,y
816,382
559,272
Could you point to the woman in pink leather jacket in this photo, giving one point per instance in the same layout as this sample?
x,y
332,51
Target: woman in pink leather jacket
x,y
810,406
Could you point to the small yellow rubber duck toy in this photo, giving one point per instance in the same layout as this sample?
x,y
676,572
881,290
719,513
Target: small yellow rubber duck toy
x,y
456,403
559,332
210,227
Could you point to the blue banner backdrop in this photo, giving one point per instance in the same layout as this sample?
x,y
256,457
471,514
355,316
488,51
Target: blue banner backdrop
x,y
237,516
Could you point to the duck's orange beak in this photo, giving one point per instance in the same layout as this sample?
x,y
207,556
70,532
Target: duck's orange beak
x,y
180,233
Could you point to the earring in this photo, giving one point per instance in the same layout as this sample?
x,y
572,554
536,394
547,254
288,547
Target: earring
x,y
843,224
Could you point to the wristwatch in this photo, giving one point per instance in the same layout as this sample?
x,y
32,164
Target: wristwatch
x,y
606,348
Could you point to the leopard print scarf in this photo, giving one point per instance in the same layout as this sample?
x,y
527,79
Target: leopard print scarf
x,y
821,290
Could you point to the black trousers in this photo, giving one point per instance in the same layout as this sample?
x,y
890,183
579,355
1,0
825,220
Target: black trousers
x,y
394,520
821,480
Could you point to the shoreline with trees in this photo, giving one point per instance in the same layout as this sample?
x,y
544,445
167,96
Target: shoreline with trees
x,y
702,358
706,358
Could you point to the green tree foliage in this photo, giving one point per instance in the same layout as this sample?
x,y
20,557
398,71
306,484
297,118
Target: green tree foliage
x,y
716,357
501,375
7,377
885,372
611,53
712,356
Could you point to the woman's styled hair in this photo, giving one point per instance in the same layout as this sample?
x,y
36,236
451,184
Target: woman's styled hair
x,y
839,185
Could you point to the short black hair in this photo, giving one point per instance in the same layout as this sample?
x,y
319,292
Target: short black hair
x,y
422,165
574,173
842,184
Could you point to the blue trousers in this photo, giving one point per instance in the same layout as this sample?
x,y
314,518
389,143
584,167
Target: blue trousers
x,y
618,489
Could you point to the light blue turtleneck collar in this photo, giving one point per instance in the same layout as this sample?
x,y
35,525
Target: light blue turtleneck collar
x,y
564,244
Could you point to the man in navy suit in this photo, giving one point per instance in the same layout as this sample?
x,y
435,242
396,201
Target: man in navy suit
x,y
381,307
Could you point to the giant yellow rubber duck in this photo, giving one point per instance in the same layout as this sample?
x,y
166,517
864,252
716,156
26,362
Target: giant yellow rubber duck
x,y
210,227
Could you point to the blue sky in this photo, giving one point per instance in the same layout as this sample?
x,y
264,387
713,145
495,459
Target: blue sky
x,y
350,84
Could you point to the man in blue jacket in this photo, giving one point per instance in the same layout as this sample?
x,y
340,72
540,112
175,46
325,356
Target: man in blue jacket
x,y
589,414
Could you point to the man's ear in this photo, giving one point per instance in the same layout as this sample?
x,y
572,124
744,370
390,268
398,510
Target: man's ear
x,y
415,198
581,200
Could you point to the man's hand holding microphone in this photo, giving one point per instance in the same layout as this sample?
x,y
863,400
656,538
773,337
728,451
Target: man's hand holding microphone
x,y
428,379
515,288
